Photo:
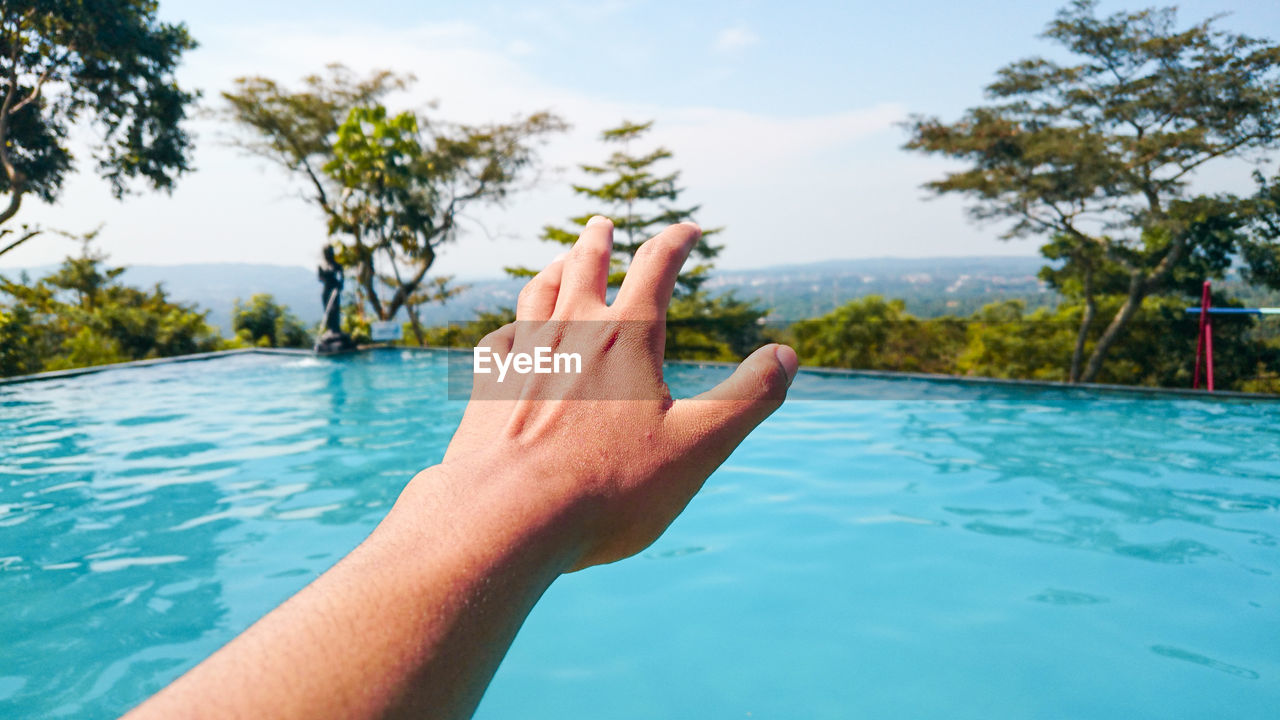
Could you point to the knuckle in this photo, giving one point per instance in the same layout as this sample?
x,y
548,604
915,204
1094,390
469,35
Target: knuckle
x,y
495,338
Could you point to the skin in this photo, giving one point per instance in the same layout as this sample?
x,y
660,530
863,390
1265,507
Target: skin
x,y
546,474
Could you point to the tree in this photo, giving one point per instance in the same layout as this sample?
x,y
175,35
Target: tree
x,y
295,129
63,62
638,200
641,200
872,333
1097,156
19,352
393,188
263,322
469,334
1006,342
82,315
1003,340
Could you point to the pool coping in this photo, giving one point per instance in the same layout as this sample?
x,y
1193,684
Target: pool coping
x,y
961,379
837,372
193,357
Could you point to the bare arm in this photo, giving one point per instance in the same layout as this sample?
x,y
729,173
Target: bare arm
x,y
553,474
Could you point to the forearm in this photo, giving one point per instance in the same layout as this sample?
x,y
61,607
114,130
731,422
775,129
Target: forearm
x,y
413,622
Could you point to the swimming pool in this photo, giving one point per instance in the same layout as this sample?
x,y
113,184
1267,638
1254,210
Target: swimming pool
x,y
941,550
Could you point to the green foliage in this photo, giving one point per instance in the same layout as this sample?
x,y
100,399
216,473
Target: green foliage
x,y
356,324
703,327
86,347
1001,340
108,65
19,348
640,200
1262,255
1004,340
392,186
874,334
1097,155
81,315
468,334
262,322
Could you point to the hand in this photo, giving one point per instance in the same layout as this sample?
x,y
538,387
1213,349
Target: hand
x,y
604,458
546,474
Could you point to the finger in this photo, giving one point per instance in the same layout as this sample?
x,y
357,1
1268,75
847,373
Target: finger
x,y
652,276
537,299
586,270
716,421
499,342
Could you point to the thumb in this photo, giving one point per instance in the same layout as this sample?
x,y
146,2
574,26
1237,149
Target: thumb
x,y
716,421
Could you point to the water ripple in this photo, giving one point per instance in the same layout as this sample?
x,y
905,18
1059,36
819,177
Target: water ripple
x,y
912,549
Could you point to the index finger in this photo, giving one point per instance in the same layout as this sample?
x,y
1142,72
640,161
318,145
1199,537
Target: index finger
x,y
651,279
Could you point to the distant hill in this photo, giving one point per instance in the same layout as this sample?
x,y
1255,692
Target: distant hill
x,y
930,286
215,287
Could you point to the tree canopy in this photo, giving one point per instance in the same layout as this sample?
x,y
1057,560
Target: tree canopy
x,y
109,61
640,198
1097,156
393,187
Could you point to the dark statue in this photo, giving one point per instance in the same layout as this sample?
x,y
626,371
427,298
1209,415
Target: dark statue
x,y
332,339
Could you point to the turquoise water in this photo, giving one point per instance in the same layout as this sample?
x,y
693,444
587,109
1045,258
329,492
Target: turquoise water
x,y
952,551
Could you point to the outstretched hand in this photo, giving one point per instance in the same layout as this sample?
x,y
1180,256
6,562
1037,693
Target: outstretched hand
x,y
547,473
606,452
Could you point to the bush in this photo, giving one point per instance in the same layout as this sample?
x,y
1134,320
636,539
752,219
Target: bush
x,y
81,315
262,322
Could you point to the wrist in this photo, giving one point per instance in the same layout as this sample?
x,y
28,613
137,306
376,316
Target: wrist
x,y
485,516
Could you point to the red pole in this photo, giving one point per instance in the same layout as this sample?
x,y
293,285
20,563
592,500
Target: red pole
x,y
1204,342
1208,352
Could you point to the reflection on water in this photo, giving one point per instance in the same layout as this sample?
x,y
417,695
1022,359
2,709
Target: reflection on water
x,y
139,509
912,549
1180,654
1094,474
1067,597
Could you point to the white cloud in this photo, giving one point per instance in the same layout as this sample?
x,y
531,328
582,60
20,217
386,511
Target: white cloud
x,y
734,39
787,186
520,48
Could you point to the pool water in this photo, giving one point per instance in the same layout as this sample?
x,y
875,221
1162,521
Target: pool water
x,y
931,549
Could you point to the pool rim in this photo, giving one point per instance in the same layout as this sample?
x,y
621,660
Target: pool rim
x,y
1102,388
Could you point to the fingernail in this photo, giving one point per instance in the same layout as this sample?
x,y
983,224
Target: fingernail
x,y
788,360
560,257
598,220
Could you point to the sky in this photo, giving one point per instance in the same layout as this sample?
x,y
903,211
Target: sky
x,y
783,119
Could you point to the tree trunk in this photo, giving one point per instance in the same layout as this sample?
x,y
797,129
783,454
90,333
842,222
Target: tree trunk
x,y
1137,292
1077,355
404,293
1086,320
366,275
414,323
